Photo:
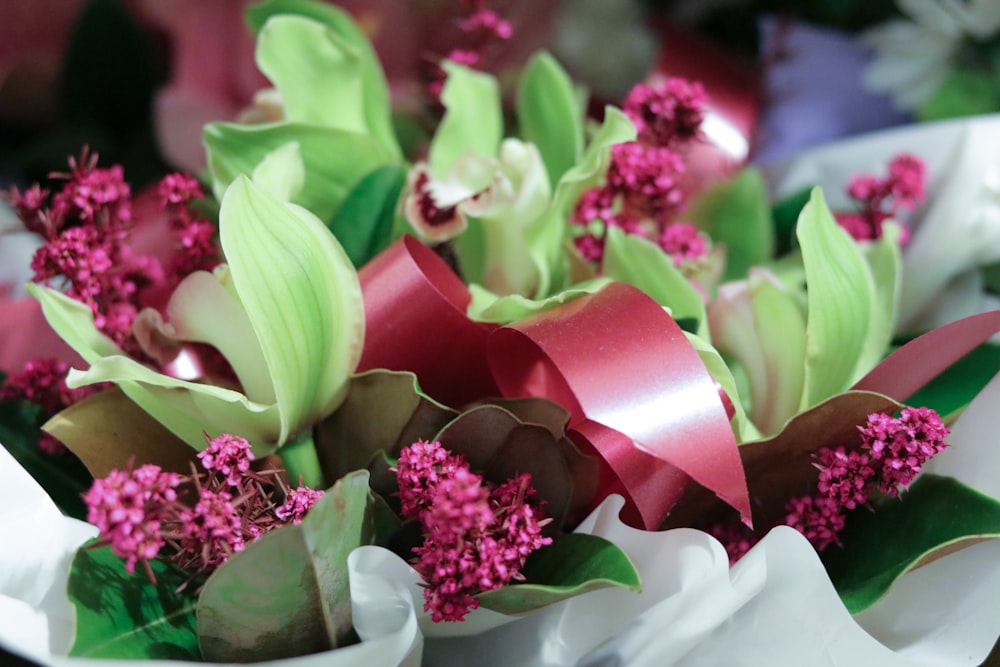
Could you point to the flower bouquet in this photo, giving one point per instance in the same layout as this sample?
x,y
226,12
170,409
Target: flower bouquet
x,y
528,398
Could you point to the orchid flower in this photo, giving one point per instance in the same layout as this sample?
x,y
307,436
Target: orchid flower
x,y
286,312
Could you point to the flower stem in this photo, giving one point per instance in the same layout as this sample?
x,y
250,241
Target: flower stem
x,y
302,463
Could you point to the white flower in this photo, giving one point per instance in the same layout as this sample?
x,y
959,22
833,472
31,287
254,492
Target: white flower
x,y
914,57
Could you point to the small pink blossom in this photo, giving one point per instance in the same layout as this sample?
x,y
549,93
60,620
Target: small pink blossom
x,y
819,519
683,242
845,476
667,114
298,502
228,455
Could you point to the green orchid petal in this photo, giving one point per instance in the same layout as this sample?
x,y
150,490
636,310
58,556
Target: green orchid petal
x,y
520,193
548,114
185,408
548,237
840,294
74,322
886,265
316,71
487,306
761,326
334,160
717,368
282,172
641,263
196,307
302,296
472,123
374,90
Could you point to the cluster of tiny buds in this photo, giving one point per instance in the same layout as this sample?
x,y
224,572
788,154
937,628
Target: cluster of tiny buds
x,y
198,520
477,537
86,227
43,382
480,27
892,451
881,199
642,193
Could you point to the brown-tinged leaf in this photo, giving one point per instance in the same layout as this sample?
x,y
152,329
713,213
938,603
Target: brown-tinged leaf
x,y
107,431
384,411
781,467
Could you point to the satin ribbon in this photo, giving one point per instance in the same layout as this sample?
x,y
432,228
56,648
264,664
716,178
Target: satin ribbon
x,y
636,390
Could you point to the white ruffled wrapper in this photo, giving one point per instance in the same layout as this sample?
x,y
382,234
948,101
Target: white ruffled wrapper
x,y
954,234
776,606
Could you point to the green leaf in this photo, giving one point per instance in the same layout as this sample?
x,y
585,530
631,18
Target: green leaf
x,y
334,160
374,90
287,594
486,306
124,616
631,259
548,114
573,564
383,411
840,293
936,516
472,123
364,223
736,214
786,214
302,296
963,93
63,477
959,384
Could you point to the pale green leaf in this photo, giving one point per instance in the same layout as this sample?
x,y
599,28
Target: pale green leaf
x,y
303,298
631,259
334,160
472,123
548,114
840,295
721,373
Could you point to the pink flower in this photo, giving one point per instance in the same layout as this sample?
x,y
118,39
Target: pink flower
x,y
819,519
229,455
298,502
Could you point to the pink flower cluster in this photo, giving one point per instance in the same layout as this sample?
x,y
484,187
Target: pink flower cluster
x,y
86,226
892,451
475,538
879,199
140,513
482,27
43,382
642,193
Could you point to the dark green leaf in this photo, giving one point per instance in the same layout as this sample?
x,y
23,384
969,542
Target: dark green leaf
x,y
573,564
364,223
786,214
334,160
958,385
736,214
62,476
122,615
287,594
938,515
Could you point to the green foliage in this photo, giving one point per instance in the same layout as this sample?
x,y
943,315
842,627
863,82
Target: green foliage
x,y
548,114
125,616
